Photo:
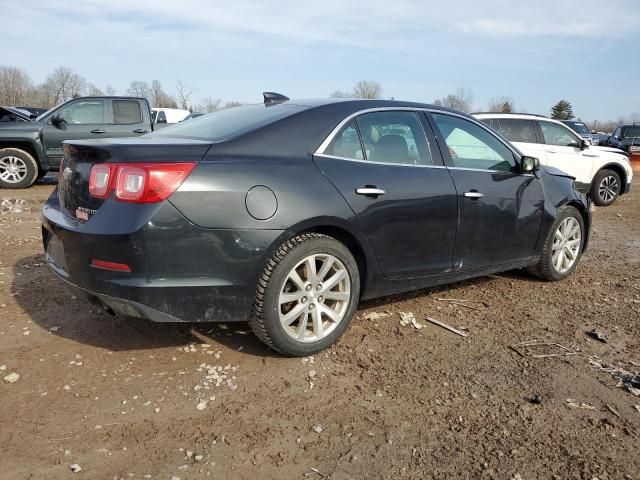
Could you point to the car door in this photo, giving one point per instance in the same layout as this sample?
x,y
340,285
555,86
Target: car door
x,y
81,119
394,179
563,148
501,208
127,118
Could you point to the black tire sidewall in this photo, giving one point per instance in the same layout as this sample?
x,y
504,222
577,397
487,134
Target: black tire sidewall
x,y
549,271
595,189
281,341
32,168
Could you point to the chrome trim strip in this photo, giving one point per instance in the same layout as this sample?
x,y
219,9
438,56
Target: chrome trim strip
x,y
324,155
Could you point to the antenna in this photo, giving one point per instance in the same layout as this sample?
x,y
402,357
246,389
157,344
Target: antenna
x,y
273,97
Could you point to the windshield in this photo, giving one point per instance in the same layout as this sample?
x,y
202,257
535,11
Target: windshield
x,y
229,122
40,117
630,132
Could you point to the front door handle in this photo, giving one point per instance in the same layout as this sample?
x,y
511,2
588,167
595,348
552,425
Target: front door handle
x,y
98,130
141,130
370,191
473,194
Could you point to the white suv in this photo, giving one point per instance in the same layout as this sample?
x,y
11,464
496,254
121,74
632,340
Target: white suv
x,y
603,173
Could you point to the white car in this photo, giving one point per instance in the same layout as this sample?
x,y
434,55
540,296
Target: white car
x,y
601,172
168,115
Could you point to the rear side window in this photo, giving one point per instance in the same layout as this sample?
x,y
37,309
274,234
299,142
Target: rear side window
x,y
126,112
230,122
559,136
346,144
516,130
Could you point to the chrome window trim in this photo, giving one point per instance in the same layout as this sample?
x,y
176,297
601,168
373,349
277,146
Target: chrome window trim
x,y
335,157
504,172
327,141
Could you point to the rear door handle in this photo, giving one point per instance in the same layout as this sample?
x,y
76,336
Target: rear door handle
x,y
370,191
590,155
141,130
98,130
473,194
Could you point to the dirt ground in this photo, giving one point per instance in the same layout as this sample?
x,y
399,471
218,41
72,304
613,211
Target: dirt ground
x,y
132,399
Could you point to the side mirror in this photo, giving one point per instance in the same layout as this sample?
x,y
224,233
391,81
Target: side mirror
x,y
56,119
584,144
529,164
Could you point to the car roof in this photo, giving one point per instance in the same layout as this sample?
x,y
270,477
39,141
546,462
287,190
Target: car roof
x,y
520,116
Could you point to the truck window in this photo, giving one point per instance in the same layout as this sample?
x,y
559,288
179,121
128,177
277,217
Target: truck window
x,y
84,112
126,112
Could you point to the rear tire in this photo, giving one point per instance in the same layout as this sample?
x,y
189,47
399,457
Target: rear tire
x,y
563,248
306,296
605,187
18,169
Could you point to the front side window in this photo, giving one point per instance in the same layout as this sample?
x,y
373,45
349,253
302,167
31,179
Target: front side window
x,y
84,112
517,130
558,135
471,146
394,137
347,143
126,112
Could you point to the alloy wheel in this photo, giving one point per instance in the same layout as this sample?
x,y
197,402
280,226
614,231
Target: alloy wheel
x,y
12,169
566,245
608,188
314,298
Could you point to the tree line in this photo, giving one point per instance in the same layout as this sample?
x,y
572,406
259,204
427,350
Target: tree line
x,y
18,89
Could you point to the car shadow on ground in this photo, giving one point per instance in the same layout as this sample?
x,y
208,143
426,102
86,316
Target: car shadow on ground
x,y
45,299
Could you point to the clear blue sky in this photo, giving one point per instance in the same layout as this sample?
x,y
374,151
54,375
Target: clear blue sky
x,y
535,52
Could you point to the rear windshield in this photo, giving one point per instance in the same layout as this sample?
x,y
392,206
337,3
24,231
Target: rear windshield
x,y
631,132
230,122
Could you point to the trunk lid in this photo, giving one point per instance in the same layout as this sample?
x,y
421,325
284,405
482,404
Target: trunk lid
x,y
81,156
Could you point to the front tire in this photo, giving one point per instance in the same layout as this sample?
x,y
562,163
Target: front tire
x,y
18,169
605,187
563,247
306,296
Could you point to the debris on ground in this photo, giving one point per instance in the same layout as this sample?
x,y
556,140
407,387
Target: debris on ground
x,y
317,428
202,405
448,327
637,407
597,336
312,376
375,315
626,379
536,399
525,349
613,410
75,468
460,302
407,318
12,378
573,404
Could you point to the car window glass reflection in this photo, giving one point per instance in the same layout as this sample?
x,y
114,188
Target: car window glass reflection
x,y
347,143
556,135
82,113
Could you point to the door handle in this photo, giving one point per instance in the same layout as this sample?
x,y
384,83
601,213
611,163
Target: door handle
x,y
590,155
141,130
472,194
551,151
370,191
98,130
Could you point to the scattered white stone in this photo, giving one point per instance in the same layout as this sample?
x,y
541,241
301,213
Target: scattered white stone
x,y
173,477
157,410
198,458
75,468
12,377
26,332
317,428
73,297
407,318
183,467
3,368
201,405
375,315
54,329
189,453
67,388
67,453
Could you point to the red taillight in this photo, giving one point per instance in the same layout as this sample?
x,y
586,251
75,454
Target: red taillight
x,y
104,265
138,182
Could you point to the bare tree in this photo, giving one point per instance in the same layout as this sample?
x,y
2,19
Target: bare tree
x,y
367,89
184,94
160,98
110,91
138,88
61,85
15,86
94,90
501,105
232,104
462,100
209,105
341,94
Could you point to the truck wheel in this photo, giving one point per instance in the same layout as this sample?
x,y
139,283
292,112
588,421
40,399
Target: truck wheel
x,y
306,295
563,247
605,187
18,169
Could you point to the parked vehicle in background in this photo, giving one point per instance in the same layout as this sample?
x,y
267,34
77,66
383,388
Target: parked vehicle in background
x,y
603,138
581,129
31,148
602,173
14,114
299,211
192,115
168,115
627,138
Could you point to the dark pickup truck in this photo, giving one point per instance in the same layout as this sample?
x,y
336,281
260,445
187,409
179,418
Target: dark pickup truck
x,y
29,148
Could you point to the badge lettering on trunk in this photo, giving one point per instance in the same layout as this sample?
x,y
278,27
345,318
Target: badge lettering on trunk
x,y
84,213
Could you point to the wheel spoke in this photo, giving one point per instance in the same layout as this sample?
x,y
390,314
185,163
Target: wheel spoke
x,y
302,329
290,297
295,278
330,313
294,314
326,266
333,280
310,267
318,328
339,296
